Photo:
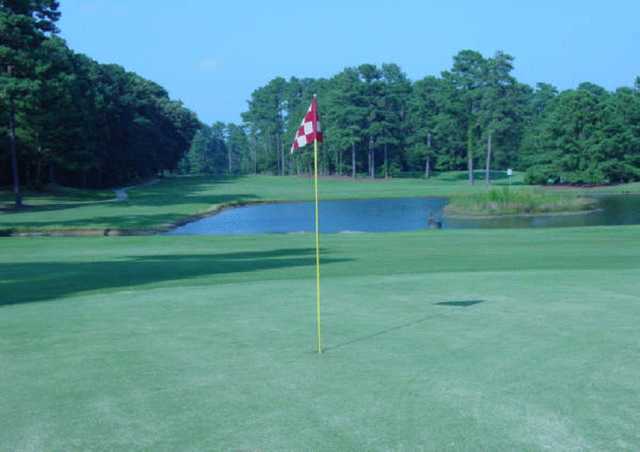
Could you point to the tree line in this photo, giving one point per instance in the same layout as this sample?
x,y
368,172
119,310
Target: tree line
x,y
70,120
476,115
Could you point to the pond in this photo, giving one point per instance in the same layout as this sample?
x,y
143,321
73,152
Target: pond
x,y
391,215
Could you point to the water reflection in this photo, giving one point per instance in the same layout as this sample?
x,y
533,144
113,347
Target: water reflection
x,y
614,210
389,215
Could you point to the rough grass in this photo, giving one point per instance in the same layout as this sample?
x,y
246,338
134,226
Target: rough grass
x,y
505,201
441,340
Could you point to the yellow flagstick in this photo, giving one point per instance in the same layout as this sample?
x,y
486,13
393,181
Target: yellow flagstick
x,y
315,184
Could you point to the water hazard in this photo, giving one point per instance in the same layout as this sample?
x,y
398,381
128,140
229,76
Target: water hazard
x,y
392,215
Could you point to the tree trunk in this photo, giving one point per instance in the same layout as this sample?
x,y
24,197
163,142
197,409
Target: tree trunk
x,y
372,163
427,163
276,151
284,157
39,170
279,157
255,157
14,155
28,182
39,165
353,160
469,157
52,173
487,171
386,162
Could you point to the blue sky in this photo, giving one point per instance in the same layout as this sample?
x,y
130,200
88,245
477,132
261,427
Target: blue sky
x,y
212,54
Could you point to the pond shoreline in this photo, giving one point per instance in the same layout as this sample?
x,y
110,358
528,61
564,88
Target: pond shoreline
x,y
522,215
506,203
455,220
124,232
163,229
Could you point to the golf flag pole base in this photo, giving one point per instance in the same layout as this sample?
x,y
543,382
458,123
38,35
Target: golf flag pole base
x,y
315,186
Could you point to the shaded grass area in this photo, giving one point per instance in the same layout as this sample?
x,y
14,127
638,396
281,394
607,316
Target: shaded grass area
x,y
55,197
506,201
447,340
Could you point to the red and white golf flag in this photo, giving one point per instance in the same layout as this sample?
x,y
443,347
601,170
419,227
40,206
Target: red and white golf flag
x,y
309,131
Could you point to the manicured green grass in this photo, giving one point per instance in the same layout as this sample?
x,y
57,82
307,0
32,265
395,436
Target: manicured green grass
x,y
506,201
441,340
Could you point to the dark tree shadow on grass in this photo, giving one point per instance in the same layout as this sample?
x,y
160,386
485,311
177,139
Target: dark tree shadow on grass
x,y
51,207
115,219
130,222
164,199
172,192
188,190
47,281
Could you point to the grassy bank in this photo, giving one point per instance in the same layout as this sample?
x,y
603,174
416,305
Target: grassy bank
x,y
448,340
506,201
173,200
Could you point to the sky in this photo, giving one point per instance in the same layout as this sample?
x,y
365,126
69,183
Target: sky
x,y
212,54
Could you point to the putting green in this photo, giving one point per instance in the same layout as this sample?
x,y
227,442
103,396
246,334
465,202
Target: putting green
x,y
442,340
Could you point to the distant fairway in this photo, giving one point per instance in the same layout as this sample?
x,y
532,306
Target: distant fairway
x,y
441,340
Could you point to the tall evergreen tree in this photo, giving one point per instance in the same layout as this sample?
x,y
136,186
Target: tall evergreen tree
x,y
345,117
24,26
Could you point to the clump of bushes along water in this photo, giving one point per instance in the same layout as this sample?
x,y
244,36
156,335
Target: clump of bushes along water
x,y
506,201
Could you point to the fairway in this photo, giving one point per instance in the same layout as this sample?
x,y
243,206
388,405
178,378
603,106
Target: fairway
x,y
441,340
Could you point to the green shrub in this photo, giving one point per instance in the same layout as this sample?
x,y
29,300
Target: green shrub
x,y
541,175
506,201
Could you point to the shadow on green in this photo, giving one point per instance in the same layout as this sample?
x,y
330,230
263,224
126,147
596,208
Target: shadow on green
x,y
48,281
459,304
405,325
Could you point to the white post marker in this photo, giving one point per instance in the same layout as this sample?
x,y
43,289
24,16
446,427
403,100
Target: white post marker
x,y
509,173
